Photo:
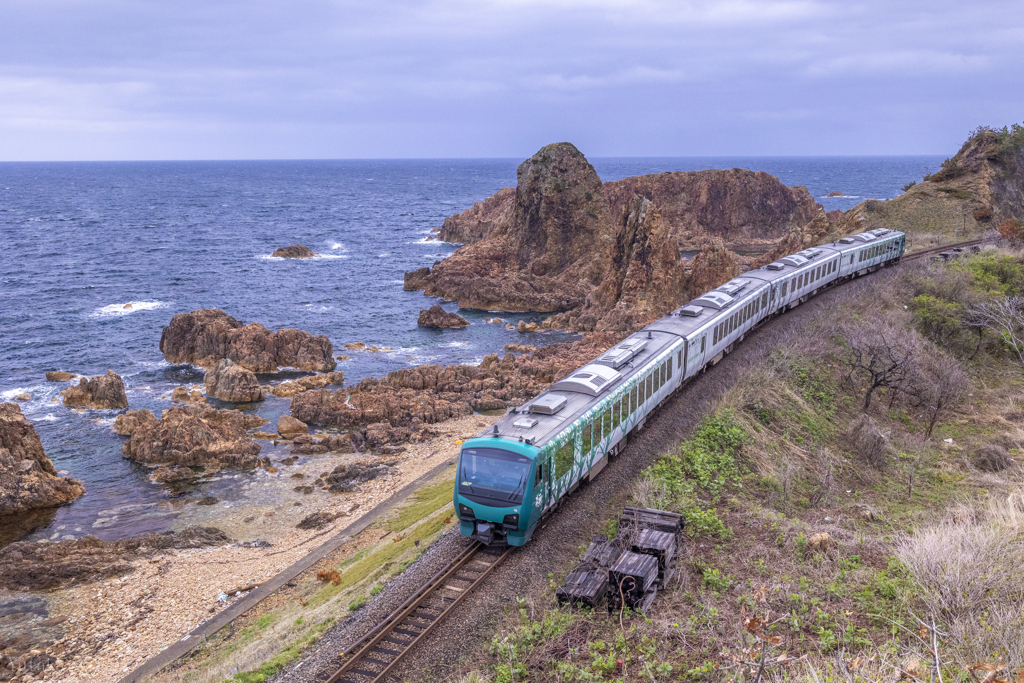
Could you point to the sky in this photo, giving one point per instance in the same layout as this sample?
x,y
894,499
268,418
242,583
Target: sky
x,y
313,79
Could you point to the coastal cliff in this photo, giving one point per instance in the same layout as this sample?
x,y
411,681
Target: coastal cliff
x,y
28,479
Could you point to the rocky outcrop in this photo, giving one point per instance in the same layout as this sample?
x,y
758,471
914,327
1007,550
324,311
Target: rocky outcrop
x,y
292,387
553,251
231,382
646,278
197,436
479,220
42,566
605,256
105,392
208,335
127,423
748,210
294,251
713,266
409,398
59,376
437,317
28,479
346,477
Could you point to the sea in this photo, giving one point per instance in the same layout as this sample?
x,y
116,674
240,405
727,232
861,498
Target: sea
x,y
81,241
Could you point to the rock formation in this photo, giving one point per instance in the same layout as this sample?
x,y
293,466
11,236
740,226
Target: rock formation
x,y
294,251
394,408
479,220
28,480
437,317
208,335
645,281
127,423
197,436
230,382
346,478
292,387
606,254
40,566
105,392
288,426
59,376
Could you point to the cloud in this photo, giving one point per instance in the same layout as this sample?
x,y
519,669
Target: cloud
x,y
338,78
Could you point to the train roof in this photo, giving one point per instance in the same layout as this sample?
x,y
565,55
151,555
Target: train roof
x,y
561,404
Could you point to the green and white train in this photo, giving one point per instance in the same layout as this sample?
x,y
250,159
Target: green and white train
x,y
515,473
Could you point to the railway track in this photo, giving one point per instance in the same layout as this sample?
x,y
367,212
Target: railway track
x,y
374,655
938,250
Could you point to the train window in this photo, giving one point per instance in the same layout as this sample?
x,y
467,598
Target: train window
x,y
817,273
540,473
632,401
669,368
643,391
606,423
587,442
597,430
702,340
563,458
785,286
663,374
650,385
616,414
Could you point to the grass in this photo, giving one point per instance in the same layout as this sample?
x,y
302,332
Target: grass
x,y
424,502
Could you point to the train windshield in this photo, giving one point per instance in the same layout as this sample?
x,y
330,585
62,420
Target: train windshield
x,y
493,477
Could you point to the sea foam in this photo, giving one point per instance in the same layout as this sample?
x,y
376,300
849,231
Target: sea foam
x,y
127,308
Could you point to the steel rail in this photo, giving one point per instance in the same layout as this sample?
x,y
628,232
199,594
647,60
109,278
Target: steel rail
x,y
939,249
413,618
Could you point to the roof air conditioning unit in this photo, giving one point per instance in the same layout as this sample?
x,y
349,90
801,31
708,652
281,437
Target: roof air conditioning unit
x,y
775,265
549,404
690,311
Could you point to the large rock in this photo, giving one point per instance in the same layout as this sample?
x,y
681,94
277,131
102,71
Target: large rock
x,y
479,220
105,392
294,251
197,436
289,426
208,335
127,423
346,478
606,254
292,387
41,566
59,376
28,479
437,317
229,381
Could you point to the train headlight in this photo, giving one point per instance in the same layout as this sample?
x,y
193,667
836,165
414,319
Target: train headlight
x,y
466,512
510,521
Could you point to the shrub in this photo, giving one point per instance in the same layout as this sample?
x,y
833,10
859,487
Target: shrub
x,y
1011,230
865,440
983,214
909,185
992,458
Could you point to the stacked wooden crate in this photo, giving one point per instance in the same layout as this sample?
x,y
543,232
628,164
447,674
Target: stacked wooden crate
x,y
632,580
583,587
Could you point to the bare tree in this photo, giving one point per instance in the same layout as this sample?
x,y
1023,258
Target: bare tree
x,y
1005,317
939,383
883,352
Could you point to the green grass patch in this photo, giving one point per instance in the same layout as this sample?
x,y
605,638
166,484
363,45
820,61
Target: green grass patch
x,y
283,658
425,501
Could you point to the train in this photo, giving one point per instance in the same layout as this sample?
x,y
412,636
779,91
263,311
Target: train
x,y
516,472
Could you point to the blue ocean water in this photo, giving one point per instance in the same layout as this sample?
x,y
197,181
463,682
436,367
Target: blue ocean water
x,y
82,240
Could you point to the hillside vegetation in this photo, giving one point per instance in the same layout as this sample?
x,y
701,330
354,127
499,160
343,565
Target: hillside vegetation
x,y
854,507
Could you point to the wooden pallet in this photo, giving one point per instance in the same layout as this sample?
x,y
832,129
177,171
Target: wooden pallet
x,y
646,518
585,588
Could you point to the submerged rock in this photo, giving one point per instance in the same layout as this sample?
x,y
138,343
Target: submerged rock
x,y
28,479
208,335
230,382
40,566
164,475
127,423
197,436
105,392
294,251
437,317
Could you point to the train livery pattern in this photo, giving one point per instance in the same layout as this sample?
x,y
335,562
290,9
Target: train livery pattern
x,y
510,476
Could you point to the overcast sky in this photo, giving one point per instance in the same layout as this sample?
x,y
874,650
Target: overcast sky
x,y
233,79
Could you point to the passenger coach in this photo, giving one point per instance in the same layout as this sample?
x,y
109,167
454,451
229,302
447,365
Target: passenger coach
x,y
513,474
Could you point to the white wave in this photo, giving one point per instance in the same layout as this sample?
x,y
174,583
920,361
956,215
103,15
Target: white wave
x,y
11,393
318,257
457,343
384,255
49,418
396,282
426,240
335,246
127,308
843,196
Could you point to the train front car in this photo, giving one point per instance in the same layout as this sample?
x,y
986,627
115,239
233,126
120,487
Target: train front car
x,y
494,491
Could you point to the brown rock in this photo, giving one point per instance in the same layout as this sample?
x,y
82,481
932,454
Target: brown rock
x,y
264,435
479,220
105,392
207,335
127,423
519,348
294,251
355,346
439,318
28,479
289,426
23,397
169,474
524,326
317,520
230,382
59,376
835,193
41,566
821,542
196,436
287,389
415,280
